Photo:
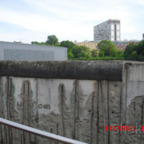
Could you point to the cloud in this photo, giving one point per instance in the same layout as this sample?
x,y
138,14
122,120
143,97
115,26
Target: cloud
x,y
73,20
140,2
23,36
40,23
81,10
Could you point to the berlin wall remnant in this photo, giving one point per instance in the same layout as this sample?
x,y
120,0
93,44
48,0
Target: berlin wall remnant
x,y
63,69
75,99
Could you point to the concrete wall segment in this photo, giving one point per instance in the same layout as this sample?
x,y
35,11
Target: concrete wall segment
x,y
87,70
74,105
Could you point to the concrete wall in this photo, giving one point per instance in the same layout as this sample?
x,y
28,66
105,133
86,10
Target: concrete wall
x,y
75,107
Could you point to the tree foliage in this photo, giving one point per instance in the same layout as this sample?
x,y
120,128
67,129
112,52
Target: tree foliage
x,y
68,44
52,40
134,55
135,51
108,48
70,54
120,53
38,43
101,53
94,53
129,49
140,48
81,51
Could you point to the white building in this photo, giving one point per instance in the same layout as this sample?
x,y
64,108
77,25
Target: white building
x,y
108,30
31,52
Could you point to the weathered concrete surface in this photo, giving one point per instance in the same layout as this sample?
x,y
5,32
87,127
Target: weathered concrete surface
x,y
132,108
75,108
90,70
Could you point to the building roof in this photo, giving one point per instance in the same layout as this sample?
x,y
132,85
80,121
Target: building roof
x,y
18,45
110,20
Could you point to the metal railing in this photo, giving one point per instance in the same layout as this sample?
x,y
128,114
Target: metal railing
x,y
39,132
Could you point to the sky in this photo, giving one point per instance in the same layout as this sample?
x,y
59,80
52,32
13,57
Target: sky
x,y
34,20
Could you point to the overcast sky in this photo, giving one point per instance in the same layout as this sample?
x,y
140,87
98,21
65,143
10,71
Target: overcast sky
x,y
34,20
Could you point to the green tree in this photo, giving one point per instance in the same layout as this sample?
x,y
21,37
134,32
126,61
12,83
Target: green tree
x,y
108,48
134,55
52,40
70,55
67,44
140,48
129,49
120,53
94,53
101,53
81,51
77,51
86,51
38,43
34,42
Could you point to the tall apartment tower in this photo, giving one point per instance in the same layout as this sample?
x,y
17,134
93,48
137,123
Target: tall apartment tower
x,y
108,30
